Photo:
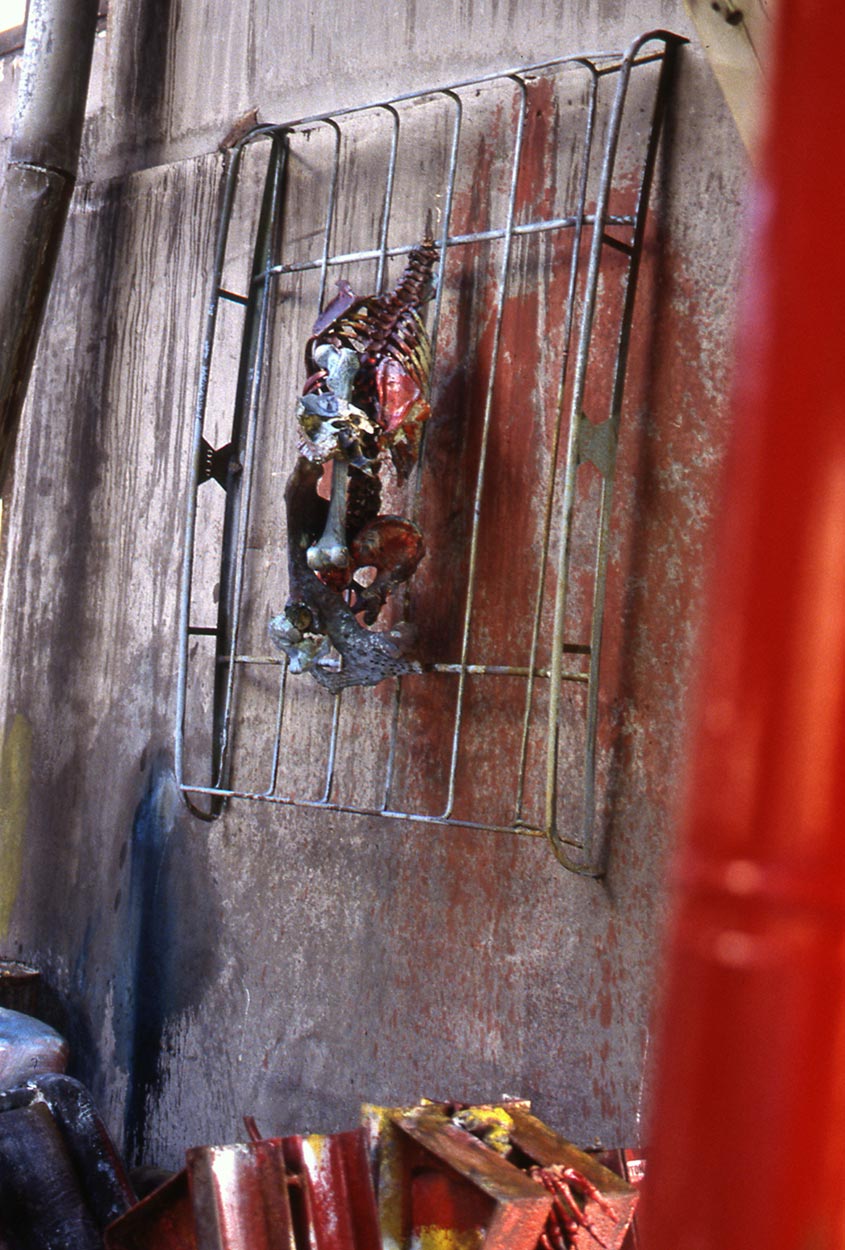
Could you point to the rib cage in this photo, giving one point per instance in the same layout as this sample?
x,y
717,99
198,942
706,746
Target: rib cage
x,y
385,326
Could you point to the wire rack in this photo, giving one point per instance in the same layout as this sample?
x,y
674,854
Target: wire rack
x,y
537,181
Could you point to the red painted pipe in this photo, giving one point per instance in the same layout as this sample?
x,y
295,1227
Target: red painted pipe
x,y
748,1136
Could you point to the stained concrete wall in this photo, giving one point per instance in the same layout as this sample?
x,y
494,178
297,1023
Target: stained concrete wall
x,y
281,962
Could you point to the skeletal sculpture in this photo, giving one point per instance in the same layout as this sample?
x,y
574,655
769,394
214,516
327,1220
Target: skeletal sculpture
x,y
368,363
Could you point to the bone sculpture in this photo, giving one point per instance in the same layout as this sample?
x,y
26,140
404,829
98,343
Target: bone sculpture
x,y
368,363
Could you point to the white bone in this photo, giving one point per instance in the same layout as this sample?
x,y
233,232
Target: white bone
x,y
330,550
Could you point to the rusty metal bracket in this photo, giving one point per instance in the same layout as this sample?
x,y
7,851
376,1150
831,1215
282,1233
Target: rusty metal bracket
x,y
491,1175
272,1193
455,1183
236,733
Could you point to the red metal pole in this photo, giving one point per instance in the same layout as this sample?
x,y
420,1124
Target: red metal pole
x,y
748,1136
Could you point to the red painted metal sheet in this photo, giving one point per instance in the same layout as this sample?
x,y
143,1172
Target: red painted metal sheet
x,y
239,1196
598,1201
267,1194
750,1088
454,1184
164,1220
335,1201
630,1165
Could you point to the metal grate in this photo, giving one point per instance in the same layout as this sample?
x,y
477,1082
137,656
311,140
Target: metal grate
x,y
537,181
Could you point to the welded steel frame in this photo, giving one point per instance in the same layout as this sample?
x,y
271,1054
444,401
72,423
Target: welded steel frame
x,y
586,440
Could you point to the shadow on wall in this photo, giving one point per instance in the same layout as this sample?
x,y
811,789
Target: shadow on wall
x,y
652,611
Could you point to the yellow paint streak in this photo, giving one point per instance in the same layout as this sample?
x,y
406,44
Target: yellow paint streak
x,y
491,1124
431,1237
15,757
379,1124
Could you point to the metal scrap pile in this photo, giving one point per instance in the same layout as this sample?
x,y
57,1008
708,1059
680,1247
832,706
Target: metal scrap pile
x,y
435,1176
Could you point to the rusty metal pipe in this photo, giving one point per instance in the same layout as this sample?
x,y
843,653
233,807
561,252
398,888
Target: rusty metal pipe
x,y
38,183
750,1092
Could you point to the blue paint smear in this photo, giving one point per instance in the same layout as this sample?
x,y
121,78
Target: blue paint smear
x,y
149,926
170,943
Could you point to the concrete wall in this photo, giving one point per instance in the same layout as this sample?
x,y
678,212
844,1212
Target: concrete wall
x,y
282,962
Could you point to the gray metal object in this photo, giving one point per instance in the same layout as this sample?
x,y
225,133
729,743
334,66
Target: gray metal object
x,y
38,183
585,99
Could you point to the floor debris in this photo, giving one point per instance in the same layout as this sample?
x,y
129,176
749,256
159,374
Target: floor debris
x,y
433,1176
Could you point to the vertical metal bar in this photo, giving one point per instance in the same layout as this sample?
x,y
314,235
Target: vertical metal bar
x,y
277,737
600,582
447,215
379,284
327,791
321,297
191,505
388,197
567,504
443,244
569,318
330,207
252,369
330,210
485,437
393,739
591,720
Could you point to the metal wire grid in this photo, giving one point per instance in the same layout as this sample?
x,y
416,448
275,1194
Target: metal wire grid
x,y
234,463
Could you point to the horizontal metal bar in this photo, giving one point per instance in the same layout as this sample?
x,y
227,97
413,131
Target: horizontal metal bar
x,y
455,240
232,296
526,830
648,59
495,670
472,670
275,661
618,244
203,631
597,62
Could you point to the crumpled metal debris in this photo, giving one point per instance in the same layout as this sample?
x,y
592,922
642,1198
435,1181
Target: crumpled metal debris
x,y
489,1177
451,1175
366,398
495,1174
264,1194
162,1220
